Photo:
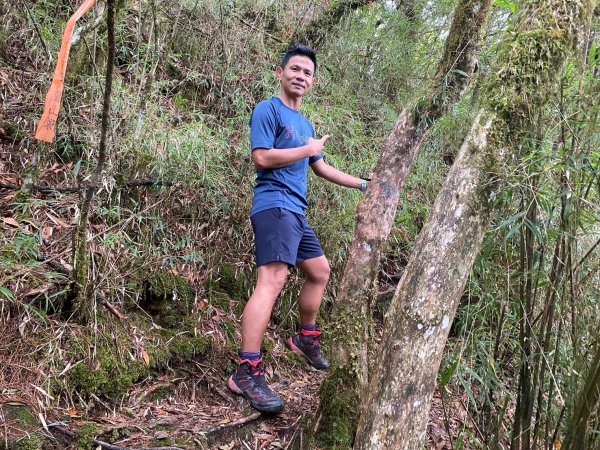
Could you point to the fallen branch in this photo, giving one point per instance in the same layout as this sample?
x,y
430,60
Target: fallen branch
x,y
114,311
234,424
106,445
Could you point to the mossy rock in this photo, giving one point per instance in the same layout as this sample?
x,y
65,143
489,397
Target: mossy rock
x,y
21,417
29,442
109,374
85,436
229,282
188,347
168,298
21,414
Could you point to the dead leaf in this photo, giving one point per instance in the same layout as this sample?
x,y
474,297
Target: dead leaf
x,y
146,357
57,221
10,221
9,197
40,290
72,413
267,428
47,232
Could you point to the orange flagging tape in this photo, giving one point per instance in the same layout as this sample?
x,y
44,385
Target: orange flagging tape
x,y
47,126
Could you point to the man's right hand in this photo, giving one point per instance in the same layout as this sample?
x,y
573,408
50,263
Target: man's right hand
x,y
316,146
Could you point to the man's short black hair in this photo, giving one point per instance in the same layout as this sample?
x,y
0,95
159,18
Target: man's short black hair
x,y
302,50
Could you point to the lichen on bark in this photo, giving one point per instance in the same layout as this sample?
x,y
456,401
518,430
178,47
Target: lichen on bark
x,y
352,314
395,413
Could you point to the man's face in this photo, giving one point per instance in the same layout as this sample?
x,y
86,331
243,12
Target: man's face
x,y
298,76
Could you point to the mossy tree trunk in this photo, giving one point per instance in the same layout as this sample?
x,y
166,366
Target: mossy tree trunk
x,y
410,8
314,33
351,318
395,411
81,290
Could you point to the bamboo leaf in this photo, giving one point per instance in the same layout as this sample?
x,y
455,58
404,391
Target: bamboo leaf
x,y
6,293
447,375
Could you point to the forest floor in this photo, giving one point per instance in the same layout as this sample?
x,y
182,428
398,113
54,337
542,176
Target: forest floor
x,y
198,411
187,406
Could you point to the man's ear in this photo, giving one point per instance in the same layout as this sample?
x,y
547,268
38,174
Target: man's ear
x,y
278,72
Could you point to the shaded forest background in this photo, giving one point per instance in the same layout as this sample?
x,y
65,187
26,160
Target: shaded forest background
x,y
170,242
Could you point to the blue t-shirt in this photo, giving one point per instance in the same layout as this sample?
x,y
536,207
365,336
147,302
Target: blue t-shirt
x,y
274,125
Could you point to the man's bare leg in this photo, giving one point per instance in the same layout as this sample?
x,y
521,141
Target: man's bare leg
x,y
311,295
257,313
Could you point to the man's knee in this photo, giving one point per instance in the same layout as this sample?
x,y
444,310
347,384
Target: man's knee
x,y
318,271
272,277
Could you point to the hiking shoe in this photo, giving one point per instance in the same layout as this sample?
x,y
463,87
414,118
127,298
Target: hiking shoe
x,y
307,344
249,380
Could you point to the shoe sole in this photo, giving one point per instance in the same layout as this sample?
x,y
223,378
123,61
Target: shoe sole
x,y
265,409
297,350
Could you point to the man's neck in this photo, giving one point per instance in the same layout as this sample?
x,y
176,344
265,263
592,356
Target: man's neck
x,y
291,102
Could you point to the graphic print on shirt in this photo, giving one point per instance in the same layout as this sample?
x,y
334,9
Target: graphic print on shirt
x,y
292,134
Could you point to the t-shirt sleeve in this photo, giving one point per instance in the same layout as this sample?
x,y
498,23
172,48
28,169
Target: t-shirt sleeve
x,y
263,127
314,159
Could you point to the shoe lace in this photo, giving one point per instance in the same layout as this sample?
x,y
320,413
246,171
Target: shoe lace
x,y
311,340
256,370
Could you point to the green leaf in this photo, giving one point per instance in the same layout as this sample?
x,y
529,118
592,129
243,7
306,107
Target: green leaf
x,y
447,375
534,229
516,227
468,390
6,293
511,220
506,4
460,72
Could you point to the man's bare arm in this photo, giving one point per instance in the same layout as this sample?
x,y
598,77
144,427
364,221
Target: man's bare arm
x,y
275,158
329,173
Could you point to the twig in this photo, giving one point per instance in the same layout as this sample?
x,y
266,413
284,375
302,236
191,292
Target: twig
x,y
37,30
114,311
294,425
58,267
106,445
233,424
275,38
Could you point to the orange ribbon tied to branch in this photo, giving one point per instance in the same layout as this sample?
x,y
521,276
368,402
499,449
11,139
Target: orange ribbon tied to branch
x,y
47,125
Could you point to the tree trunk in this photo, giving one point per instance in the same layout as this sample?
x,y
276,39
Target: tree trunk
x,y
396,409
314,33
81,290
351,318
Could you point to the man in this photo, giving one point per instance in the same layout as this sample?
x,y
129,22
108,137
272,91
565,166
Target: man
x,y
283,147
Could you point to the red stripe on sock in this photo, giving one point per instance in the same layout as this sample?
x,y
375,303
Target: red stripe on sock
x,y
309,333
